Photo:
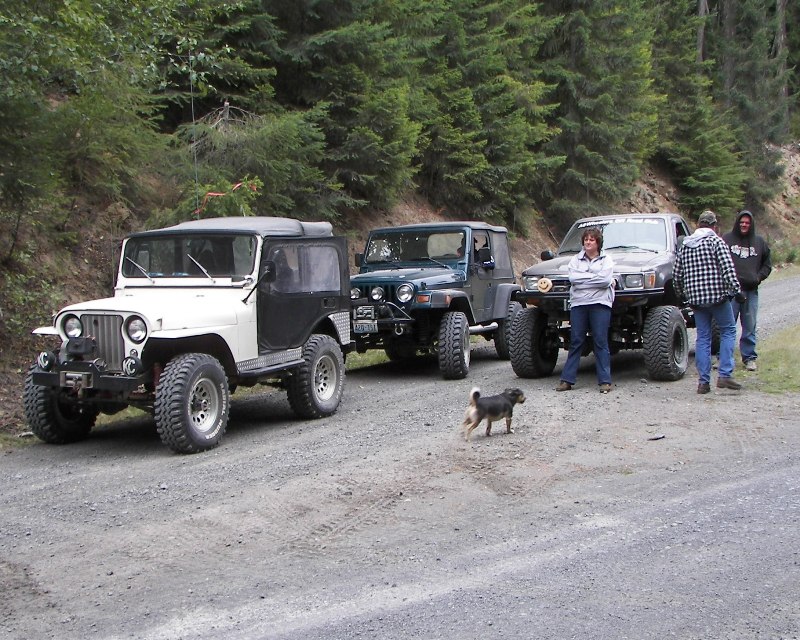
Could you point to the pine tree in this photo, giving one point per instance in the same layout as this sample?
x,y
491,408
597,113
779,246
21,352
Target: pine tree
x,y
695,141
343,55
600,62
750,81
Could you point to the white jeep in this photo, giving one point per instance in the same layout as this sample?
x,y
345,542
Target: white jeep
x,y
200,309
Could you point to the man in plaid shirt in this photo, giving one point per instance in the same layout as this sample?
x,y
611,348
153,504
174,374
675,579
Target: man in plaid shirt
x,y
704,276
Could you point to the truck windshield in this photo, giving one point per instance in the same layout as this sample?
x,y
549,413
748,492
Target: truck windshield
x,y
413,246
620,234
189,256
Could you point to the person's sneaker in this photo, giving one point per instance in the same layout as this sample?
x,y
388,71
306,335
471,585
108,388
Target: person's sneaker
x,y
751,365
605,388
704,387
728,383
564,386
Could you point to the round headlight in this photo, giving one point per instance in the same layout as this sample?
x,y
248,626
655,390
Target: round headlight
x,y
136,329
73,326
377,293
355,293
405,292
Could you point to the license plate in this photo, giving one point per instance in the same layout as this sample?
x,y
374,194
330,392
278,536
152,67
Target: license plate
x,y
365,327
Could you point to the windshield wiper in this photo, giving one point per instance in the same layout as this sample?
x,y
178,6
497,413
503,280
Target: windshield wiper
x,y
140,268
631,246
441,264
202,268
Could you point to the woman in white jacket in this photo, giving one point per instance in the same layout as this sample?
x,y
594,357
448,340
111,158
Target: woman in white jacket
x,y
591,276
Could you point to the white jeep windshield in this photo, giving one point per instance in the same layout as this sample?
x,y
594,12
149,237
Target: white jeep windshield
x,y
191,255
620,234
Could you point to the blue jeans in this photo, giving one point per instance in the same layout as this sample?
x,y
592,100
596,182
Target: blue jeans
x,y
747,312
722,314
597,318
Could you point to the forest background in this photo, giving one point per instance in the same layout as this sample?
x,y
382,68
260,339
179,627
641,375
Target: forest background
x,y
117,116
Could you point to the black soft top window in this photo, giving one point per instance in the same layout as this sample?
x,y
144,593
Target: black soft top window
x,y
305,268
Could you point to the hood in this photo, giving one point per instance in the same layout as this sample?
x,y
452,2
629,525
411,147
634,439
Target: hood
x,y
432,277
735,231
627,261
166,309
698,237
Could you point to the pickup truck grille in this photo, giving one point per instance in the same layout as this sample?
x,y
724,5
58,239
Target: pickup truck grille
x,y
560,285
107,332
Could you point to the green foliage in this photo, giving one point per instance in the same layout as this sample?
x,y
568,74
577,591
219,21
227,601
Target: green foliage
x,y
219,200
698,144
750,74
285,152
28,297
599,59
491,108
485,112
343,57
784,252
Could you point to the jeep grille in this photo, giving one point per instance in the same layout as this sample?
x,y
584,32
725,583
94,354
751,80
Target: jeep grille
x,y
389,290
107,331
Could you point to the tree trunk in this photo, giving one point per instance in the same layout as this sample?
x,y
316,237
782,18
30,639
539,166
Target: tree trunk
x,y
727,9
702,13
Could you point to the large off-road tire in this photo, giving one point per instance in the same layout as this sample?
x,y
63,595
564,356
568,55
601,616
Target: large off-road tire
x,y
315,388
53,420
192,403
666,343
454,354
533,353
503,332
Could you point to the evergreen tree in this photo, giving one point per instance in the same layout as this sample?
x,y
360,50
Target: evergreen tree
x,y
696,142
340,54
600,61
750,83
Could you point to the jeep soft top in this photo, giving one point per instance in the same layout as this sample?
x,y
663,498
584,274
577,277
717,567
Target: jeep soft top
x,y
199,309
425,288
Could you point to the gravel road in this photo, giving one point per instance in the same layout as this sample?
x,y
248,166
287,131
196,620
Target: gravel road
x,y
651,512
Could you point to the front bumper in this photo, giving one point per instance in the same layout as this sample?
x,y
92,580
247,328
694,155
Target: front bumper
x,y
84,377
379,317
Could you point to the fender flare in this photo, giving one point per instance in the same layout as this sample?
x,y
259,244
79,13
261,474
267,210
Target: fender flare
x,y
504,294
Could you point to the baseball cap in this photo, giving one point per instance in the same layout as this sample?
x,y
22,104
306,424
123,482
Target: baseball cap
x,y
708,218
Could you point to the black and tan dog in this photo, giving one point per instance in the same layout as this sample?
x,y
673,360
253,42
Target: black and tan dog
x,y
492,408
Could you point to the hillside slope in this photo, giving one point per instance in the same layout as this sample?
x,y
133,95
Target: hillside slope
x,y
83,268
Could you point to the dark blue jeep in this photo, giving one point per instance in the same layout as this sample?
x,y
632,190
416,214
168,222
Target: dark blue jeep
x,y
425,288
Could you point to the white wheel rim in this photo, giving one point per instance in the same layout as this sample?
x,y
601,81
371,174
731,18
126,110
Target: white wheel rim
x,y
204,405
325,378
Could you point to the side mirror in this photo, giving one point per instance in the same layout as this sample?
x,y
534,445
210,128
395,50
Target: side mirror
x,y
359,260
547,255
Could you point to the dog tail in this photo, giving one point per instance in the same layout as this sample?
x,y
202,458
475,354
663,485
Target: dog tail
x,y
474,395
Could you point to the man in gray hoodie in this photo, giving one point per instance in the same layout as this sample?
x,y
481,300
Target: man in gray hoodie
x,y
753,264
